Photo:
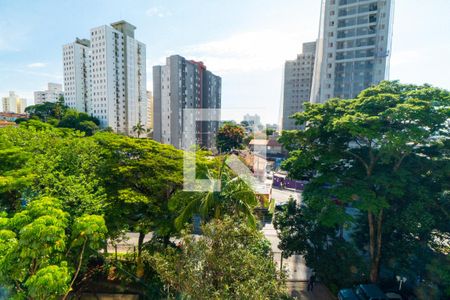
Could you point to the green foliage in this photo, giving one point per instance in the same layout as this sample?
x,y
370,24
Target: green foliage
x,y
53,172
41,250
57,114
229,261
47,110
139,129
49,282
63,194
386,154
438,274
54,162
228,195
336,261
90,227
80,121
140,175
229,137
270,131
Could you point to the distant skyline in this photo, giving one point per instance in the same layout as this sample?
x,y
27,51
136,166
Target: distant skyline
x,y
244,42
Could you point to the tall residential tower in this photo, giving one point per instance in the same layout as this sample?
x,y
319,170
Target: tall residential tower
x,y
353,48
297,79
184,84
106,77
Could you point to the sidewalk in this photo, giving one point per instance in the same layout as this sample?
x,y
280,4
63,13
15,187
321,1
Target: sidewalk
x,y
298,290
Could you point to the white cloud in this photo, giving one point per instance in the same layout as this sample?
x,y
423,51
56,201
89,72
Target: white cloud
x,y
37,65
158,11
248,51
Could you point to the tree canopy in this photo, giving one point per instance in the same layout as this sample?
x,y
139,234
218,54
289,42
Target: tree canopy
x,y
229,137
44,248
384,153
229,195
229,261
60,115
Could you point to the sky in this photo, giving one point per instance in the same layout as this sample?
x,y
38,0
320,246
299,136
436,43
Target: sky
x,y
244,41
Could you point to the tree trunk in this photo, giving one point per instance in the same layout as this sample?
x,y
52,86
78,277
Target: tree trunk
x,y
166,240
375,245
140,243
77,271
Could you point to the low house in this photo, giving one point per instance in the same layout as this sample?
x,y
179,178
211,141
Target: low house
x,y
270,147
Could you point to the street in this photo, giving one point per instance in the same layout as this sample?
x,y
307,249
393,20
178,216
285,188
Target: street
x,y
296,270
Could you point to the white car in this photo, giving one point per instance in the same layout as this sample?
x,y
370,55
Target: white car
x,y
393,296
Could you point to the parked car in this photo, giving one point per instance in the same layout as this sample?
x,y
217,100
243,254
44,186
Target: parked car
x,y
393,296
347,294
370,292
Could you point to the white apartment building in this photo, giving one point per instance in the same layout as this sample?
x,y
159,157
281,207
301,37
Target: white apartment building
x,y
106,77
52,94
13,104
353,48
77,77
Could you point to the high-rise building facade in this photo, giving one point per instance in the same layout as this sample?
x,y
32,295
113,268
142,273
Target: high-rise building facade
x,y
297,80
106,77
77,77
52,94
13,104
184,84
353,48
150,110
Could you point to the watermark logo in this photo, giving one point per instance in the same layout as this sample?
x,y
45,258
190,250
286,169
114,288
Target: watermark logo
x,y
254,178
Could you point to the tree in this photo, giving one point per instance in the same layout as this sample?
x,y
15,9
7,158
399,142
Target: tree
x,y
231,196
230,137
229,261
46,110
89,127
60,108
270,131
139,129
365,153
336,261
139,175
43,248
80,121
56,162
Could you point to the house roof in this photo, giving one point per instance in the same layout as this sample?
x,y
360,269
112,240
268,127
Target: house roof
x,y
270,142
259,142
7,123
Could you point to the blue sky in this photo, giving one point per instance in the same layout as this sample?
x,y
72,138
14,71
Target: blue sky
x,y
244,41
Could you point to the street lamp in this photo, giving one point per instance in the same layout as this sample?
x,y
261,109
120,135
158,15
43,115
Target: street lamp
x,y
401,280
